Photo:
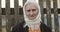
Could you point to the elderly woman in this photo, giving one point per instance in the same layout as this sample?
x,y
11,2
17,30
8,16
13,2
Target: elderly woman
x,y
32,19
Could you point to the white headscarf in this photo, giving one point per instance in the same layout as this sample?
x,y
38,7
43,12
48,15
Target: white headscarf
x,y
37,19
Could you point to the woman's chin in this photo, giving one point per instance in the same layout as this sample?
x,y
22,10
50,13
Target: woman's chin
x,y
31,18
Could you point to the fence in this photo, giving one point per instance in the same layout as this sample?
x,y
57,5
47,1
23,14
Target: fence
x,y
14,15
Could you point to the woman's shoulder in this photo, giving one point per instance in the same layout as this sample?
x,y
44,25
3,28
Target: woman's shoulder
x,y
18,27
44,27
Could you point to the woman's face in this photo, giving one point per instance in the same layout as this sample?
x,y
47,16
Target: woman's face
x,y
31,11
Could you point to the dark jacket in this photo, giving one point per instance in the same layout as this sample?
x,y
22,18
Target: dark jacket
x,y
20,28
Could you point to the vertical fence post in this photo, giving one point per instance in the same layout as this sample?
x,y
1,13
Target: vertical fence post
x,y
16,11
12,17
8,23
0,18
41,8
56,16
24,2
48,7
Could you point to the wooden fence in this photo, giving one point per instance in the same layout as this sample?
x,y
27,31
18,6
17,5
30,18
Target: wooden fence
x,y
14,15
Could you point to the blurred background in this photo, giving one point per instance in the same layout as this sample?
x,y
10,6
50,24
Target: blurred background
x,y
11,13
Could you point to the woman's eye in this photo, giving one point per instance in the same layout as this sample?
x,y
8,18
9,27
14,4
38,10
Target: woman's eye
x,y
33,9
28,10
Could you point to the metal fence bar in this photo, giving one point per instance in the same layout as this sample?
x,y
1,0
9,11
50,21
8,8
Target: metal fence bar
x,y
48,7
56,16
8,23
0,18
41,8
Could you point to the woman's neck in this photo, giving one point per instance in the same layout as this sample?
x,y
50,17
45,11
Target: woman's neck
x,y
34,26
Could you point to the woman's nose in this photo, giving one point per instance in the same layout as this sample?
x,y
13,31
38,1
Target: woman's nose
x,y
31,12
